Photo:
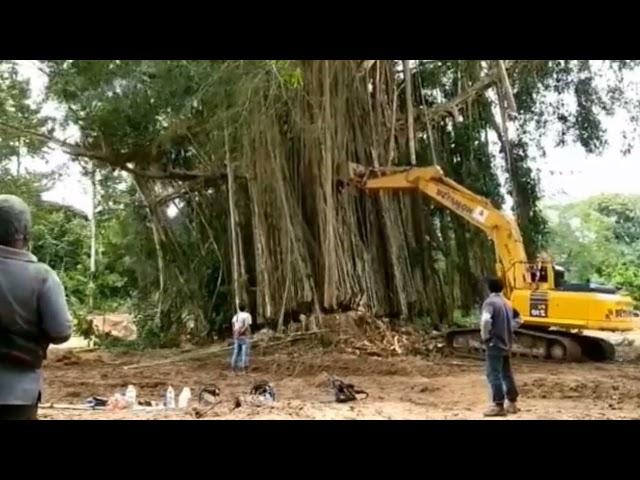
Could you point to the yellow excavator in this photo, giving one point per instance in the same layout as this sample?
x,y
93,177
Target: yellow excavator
x,y
554,312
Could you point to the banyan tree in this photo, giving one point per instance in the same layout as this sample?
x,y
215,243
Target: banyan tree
x,y
238,170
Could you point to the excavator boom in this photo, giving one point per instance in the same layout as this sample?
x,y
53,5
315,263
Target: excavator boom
x,y
501,229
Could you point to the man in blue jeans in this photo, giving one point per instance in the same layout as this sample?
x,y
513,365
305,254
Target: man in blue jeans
x,y
241,327
497,324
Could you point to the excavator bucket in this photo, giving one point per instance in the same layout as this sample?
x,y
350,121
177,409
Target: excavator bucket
x,y
350,175
359,175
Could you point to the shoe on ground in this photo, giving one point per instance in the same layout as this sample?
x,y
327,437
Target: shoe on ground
x,y
496,411
511,408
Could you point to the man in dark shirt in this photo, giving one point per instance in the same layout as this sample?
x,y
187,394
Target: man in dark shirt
x,y
33,313
497,324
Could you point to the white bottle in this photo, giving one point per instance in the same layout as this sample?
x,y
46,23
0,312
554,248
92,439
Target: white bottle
x,y
184,397
170,398
130,396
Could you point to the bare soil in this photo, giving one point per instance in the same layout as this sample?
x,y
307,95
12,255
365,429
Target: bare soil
x,y
401,387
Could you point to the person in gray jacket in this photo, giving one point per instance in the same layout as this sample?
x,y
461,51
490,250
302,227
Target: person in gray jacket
x,y
33,314
497,324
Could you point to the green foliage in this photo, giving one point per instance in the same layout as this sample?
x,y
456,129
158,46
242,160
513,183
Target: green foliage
x,y
130,106
462,320
290,73
532,221
597,239
17,108
61,239
573,95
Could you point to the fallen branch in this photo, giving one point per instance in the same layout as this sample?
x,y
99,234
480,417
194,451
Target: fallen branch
x,y
84,349
213,350
63,406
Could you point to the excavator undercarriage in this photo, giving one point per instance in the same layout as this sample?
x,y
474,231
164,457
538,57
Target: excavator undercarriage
x,y
553,345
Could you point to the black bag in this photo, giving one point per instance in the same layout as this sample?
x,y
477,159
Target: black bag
x,y
17,351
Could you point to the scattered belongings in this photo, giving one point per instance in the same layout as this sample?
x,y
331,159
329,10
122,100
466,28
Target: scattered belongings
x,y
264,389
117,402
129,401
209,395
131,395
170,398
345,392
149,403
96,402
184,398
261,394
66,406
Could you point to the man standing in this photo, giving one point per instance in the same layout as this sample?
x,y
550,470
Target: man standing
x,y
241,327
497,324
33,314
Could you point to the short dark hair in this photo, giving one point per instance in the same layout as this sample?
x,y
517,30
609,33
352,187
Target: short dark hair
x,y
15,221
242,307
495,284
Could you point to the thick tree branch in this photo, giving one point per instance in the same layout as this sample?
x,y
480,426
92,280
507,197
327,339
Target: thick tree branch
x,y
451,107
497,76
68,148
194,186
113,160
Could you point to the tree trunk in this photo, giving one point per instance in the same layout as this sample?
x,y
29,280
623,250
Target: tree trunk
x,y
92,225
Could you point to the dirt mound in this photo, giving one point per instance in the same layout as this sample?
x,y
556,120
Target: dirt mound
x,y
119,325
359,334
609,391
66,358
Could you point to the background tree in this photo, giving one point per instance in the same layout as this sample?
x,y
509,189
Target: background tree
x,y
597,240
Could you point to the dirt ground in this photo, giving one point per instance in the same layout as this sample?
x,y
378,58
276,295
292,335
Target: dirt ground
x,y
399,387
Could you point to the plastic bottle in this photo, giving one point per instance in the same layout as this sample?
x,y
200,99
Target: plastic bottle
x,y
131,395
184,397
170,398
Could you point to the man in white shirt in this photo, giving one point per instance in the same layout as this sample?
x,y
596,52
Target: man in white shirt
x,y
241,327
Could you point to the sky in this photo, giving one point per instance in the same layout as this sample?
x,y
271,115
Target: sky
x,y
567,173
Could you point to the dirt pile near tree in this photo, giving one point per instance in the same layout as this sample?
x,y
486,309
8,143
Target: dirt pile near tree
x,y
118,325
360,334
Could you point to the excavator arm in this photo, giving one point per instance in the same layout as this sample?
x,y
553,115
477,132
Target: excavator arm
x,y
501,229
524,286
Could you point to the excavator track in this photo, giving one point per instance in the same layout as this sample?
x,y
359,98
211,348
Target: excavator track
x,y
559,346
